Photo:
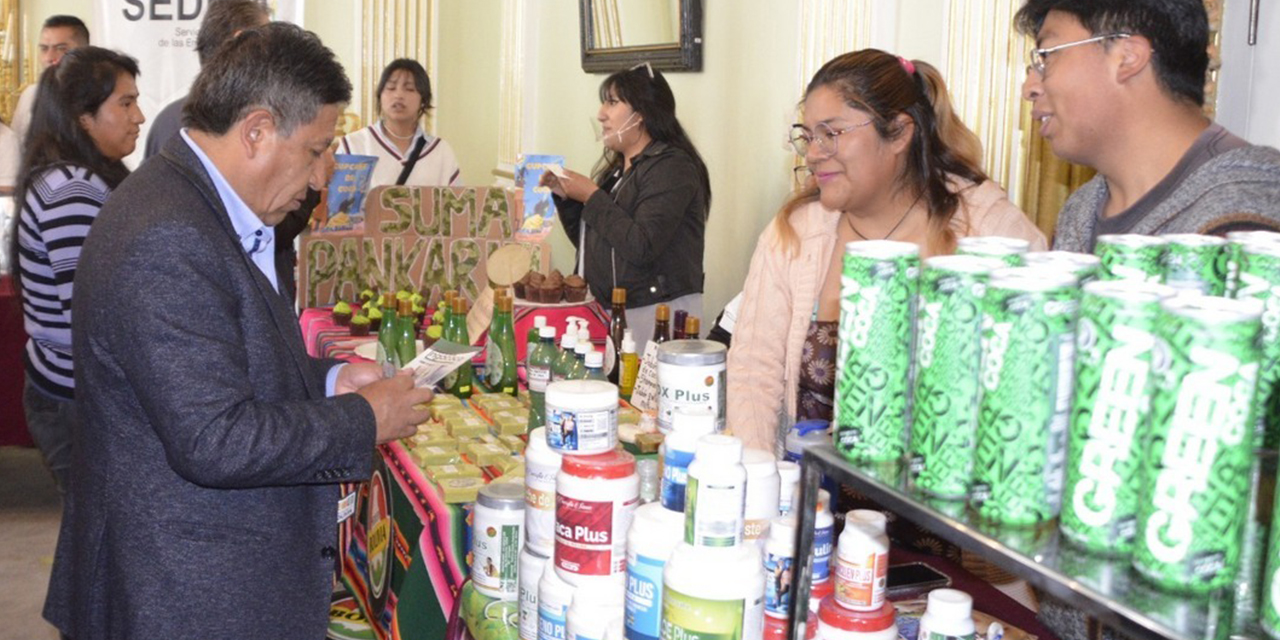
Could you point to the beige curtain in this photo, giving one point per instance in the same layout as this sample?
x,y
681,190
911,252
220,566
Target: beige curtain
x,y
1047,180
608,30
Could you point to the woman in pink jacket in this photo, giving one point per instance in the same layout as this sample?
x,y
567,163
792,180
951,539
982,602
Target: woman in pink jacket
x,y
887,159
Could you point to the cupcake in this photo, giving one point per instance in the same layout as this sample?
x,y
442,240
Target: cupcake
x,y
575,289
360,325
342,313
367,296
552,288
375,318
419,313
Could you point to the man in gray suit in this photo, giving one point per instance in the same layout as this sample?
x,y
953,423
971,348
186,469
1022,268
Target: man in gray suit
x,y
203,502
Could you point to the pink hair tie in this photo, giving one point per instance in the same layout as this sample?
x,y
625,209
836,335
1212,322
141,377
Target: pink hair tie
x,y
908,65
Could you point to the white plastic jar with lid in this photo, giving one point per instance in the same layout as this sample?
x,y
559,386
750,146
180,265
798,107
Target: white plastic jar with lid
x,y
713,592
763,487
596,497
716,493
497,534
593,611
541,466
531,566
788,482
554,597
691,373
862,560
823,537
676,451
582,416
779,567
654,534
838,623
948,614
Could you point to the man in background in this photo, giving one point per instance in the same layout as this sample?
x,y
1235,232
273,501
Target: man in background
x,y
1118,85
59,35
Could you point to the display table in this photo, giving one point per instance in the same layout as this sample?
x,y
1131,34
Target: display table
x,y
13,424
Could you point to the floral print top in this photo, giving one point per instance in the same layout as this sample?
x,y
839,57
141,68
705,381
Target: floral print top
x,y
818,372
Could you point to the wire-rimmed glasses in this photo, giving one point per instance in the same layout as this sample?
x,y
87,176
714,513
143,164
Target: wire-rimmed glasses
x,y
1039,56
822,136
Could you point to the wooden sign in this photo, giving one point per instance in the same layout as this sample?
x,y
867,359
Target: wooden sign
x,y
428,239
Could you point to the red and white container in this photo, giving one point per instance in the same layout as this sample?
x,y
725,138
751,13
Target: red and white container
x,y
596,497
862,561
838,623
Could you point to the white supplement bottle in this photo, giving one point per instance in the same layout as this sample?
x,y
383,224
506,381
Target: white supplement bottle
x,y
691,373
531,566
823,534
713,592
862,561
779,567
497,536
541,466
788,482
676,452
716,493
838,623
948,614
654,534
554,597
596,497
762,495
582,416
593,610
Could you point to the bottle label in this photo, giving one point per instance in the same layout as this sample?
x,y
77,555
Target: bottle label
x,y
861,581
551,622
590,535
713,514
528,611
494,363
822,553
582,431
539,377
644,597
698,387
686,617
777,584
755,529
495,560
675,475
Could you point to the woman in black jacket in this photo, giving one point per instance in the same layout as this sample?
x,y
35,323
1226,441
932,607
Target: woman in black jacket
x,y
640,221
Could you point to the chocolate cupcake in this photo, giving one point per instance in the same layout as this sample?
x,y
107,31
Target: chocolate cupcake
x,y
360,325
342,313
575,289
375,317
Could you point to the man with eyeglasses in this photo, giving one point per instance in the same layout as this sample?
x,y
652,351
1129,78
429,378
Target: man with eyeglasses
x,y
1118,85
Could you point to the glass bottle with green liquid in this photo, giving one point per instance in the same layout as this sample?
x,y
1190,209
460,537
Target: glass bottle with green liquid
x,y
387,336
500,349
540,363
406,334
464,375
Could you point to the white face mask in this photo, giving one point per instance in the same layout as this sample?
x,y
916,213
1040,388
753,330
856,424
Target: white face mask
x,y
627,125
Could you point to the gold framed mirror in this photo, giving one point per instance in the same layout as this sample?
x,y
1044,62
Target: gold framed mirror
x,y
617,34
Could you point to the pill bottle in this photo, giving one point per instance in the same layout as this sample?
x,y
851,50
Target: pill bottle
x,y
655,532
823,537
716,493
676,452
779,567
541,466
554,597
788,482
691,373
948,614
497,534
531,566
593,610
596,496
713,592
862,561
839,623
762,495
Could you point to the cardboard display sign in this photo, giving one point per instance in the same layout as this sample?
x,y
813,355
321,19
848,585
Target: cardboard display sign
x,y
428,239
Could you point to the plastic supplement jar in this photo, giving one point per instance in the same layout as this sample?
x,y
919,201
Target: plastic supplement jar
x,y
554,597
531,566
676,452
582,416
948,614
862,561
541,466
838,623
711,592
763,489
596,497
716,494
654,534
824,531
593,611
691,373
497,533
788,480
779,567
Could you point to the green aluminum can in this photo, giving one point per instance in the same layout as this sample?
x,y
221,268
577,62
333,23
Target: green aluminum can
x,y
1028,349
1131,257
1235,253
1114,339
1269,606
1195,263
1086,268
1197,455
1008,250
1259,279
944,417
873,375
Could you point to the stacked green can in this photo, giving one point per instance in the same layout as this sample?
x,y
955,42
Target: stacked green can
x,y
1008,250
1269,614
1235,253
1198,455
1196,264
1028,347
945,398
1131,257
1115,335
873,380
1086,268
1259,279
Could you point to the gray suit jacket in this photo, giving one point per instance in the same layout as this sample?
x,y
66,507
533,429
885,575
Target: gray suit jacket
x,y
203,499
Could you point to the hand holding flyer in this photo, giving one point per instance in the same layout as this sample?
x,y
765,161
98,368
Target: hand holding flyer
x,y
442,357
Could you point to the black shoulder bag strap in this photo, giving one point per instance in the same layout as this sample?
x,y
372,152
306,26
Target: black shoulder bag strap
x,y
413,160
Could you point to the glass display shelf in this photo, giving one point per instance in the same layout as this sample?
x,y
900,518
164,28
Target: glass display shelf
x,y
1102,587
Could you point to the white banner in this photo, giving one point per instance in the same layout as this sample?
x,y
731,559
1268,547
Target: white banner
x,y
161,34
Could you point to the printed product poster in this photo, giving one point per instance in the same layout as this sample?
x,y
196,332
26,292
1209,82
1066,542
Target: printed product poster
x,y
347,189
539,210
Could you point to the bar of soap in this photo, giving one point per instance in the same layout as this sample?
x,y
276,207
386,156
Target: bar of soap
x,y
514,475
455,490
486,454
510,421
509,464
442,404
435,438
628,415
447,471
465,424
648,442
433,456
513,443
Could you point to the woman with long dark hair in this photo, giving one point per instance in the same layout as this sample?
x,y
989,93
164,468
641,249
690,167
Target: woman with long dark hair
x,y
86,120
888,159
640,221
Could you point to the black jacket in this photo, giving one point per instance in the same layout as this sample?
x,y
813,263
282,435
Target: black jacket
x,y
652,227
